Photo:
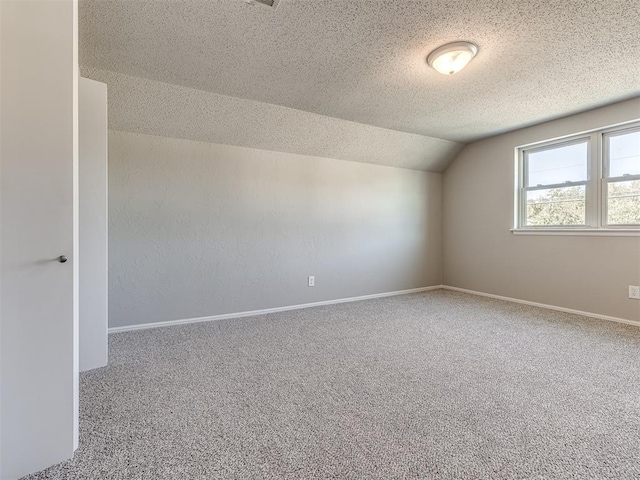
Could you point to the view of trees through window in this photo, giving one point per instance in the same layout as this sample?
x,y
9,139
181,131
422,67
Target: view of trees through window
x,y
624,203
558,206
566,206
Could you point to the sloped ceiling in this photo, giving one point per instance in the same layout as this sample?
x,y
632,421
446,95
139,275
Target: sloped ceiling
x,y
364,60
147,106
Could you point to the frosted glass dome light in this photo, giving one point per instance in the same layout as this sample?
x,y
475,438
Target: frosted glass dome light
x,y
452,57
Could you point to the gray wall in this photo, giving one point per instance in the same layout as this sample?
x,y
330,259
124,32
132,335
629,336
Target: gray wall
x,y
480,253
199,229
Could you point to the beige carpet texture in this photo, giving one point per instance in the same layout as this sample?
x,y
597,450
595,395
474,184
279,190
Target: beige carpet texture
x,y
435,385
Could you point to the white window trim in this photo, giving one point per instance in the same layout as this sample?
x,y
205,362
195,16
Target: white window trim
x,y
595,186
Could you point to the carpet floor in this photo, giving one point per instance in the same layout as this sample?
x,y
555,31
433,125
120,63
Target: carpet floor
x,y
436,385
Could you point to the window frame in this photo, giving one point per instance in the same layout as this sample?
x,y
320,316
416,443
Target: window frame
x,y
596,185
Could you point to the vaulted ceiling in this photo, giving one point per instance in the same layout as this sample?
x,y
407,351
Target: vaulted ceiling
x,y
363,61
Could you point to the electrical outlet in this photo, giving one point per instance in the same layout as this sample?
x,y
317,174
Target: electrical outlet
x,y
312,281
634,292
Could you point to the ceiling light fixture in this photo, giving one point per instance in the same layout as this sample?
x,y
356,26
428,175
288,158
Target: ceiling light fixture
x,y
452,57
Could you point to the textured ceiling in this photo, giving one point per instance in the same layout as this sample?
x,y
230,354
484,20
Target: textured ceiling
x,y
364,60
147,106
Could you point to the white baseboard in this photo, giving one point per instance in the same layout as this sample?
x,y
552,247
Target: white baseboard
x,y
265,311
543,305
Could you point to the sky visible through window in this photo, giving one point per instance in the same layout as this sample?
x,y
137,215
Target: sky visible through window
x,y
624,151
569,163
558,165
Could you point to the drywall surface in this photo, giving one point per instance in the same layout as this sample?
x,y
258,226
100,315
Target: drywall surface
x,y
146,106
92,181
480,253
199,229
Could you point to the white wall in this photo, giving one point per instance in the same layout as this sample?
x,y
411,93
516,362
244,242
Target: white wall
x,y
199,229
92,173
584,273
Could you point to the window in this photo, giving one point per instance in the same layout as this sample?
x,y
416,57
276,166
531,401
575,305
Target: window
x,y
621,182
586,182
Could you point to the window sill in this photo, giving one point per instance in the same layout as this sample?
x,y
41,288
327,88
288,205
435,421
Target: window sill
x,y
606,232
